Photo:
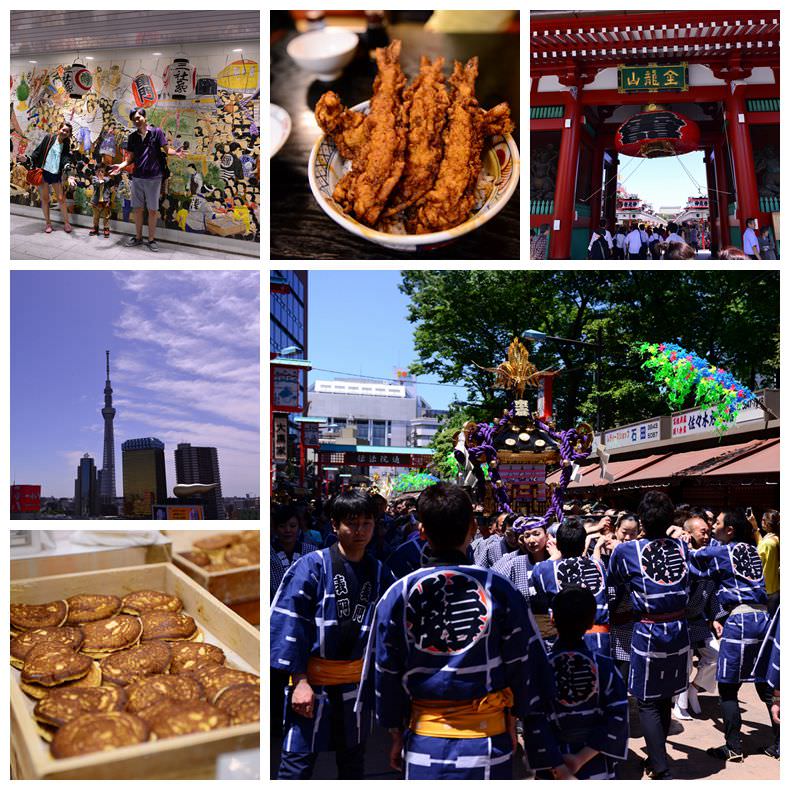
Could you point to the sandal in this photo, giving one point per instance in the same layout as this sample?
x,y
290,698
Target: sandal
x,y
94,232
106,233
48,228
67,228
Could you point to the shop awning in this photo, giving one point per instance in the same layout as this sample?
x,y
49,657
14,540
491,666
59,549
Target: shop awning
x,y
591,475
757,458
754,457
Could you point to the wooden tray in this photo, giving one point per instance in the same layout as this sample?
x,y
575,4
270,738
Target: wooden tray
x,y
80,562
233,586
184,757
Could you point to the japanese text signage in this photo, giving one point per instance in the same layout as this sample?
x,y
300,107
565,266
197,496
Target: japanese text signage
x,y
701,420
632,79
633,434
286,389
376,459
280,439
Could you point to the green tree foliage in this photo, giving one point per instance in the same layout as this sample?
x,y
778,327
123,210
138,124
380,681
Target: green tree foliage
x,y
442,442
465,317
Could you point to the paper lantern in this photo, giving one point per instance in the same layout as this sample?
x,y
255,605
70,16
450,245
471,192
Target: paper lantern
x,y
144,91
22,90
77,80
241,75
657,132
180,79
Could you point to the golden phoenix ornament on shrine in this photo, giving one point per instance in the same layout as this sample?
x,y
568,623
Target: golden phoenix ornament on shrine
x,y
517,373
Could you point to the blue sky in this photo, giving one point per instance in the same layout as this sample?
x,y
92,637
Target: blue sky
x,y
663,181
357,324
184,355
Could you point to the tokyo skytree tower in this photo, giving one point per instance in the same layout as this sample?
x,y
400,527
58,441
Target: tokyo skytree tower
x,y
107,473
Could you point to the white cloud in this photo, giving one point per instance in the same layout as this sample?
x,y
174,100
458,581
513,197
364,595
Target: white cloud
x,y
188,366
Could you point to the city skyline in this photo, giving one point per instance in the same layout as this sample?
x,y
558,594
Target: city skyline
x,y
185,351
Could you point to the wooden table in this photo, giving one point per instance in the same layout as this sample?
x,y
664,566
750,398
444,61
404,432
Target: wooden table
x,y
299,227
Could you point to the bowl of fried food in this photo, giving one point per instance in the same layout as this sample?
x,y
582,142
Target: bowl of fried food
x,y
420,164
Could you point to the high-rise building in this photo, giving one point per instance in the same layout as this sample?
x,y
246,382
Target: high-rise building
x,y
107,474
288,331
86,489
144,477
201,465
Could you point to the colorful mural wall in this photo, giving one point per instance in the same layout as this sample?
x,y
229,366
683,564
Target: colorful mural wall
x,y
206,99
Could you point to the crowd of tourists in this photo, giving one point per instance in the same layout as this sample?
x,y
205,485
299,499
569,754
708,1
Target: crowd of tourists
x,y
479,641
640,241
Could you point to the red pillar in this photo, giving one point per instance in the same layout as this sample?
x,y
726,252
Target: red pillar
x,y
565,188
742,156
724,198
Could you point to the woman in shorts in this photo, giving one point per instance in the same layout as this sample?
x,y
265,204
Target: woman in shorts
x,y
53,156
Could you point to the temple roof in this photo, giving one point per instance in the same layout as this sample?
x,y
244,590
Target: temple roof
x,y
608,39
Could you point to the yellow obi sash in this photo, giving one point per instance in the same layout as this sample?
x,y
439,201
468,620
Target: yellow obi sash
x,y
476,718
325,672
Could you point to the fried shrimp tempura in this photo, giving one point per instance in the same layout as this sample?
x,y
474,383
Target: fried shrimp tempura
x,y
452,196
427,101
344,126
379,162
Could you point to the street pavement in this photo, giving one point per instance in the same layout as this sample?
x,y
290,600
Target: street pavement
x,y
686,747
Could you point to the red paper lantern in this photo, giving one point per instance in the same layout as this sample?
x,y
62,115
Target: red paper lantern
x,y
657,132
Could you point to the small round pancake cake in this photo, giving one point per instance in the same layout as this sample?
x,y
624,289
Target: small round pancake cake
x,y
108,636
172,626
215,678
136,663
163,688
86,608
151,601
243,554
91,680
199,558
168,719
51,663
28,617
21,645
215,545
98,732
61,706
216,542
242,702
250,536
187,655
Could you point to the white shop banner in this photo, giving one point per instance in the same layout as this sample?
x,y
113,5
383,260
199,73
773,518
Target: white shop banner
x,y
702,421
633,434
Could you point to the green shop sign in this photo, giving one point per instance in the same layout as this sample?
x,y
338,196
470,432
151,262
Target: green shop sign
x,y
653,78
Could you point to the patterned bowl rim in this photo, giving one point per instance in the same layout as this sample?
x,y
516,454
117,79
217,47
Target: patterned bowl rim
x,y
412,239
285,120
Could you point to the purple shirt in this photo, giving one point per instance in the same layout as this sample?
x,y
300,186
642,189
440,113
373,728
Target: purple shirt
x,y
147,152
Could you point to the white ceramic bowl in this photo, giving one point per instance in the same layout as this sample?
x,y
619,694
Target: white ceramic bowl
x,y
498,180
280,125
324,53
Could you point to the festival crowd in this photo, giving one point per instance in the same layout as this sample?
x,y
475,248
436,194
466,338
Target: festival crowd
x,y
479,640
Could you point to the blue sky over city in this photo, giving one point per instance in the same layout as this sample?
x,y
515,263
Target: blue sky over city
x,y
357,324
184,367
663,181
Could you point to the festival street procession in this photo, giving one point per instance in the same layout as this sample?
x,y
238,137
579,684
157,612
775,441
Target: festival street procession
x,y
654,134
524,524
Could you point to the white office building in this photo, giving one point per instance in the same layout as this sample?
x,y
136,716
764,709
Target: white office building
x,y
382,413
